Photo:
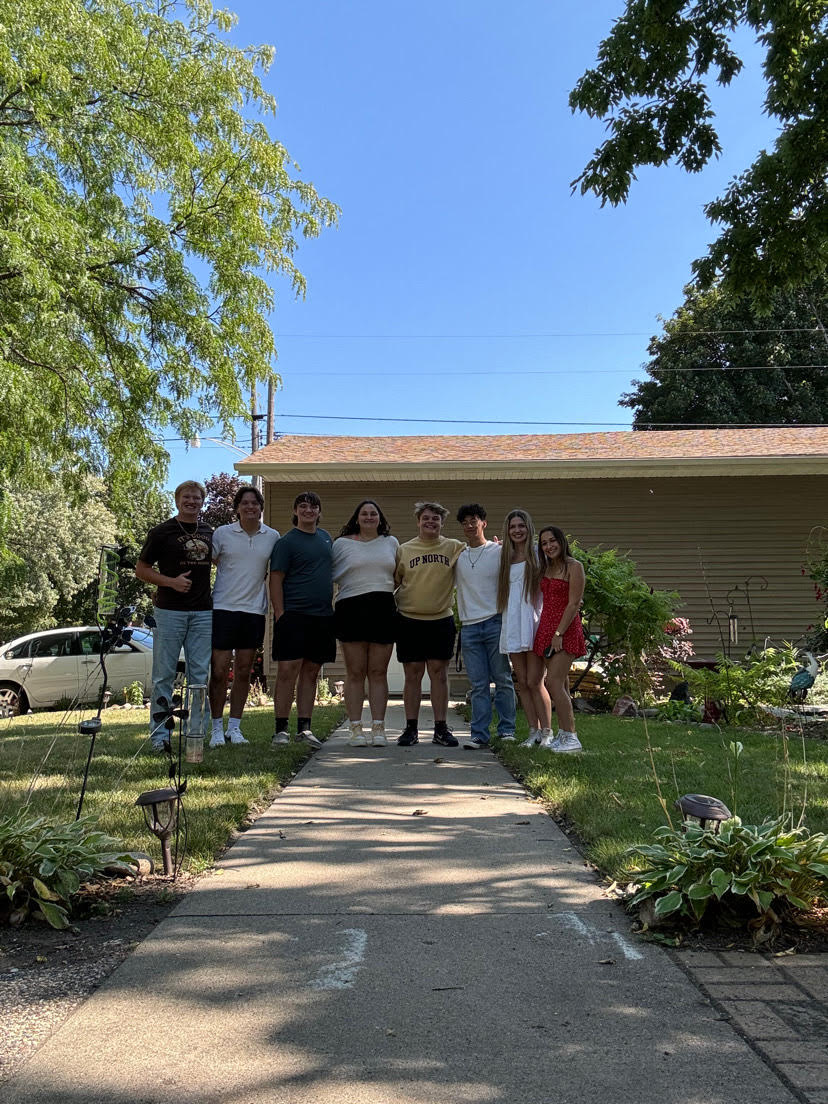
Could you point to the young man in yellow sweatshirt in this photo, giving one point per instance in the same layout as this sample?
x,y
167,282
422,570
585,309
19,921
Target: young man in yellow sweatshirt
x,y
425,623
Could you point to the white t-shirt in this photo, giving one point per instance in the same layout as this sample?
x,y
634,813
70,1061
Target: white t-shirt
x,y
242,566
362,567
475,576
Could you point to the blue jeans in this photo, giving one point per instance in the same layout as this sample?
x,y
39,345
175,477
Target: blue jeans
x,y
191,630
485,664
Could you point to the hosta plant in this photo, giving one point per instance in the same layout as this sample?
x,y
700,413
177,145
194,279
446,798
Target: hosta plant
x,y
42,865
777,869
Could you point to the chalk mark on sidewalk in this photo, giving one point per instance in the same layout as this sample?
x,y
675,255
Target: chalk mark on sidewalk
x,y
341,974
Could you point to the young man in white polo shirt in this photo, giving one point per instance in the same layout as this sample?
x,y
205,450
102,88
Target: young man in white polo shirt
x,y
241,553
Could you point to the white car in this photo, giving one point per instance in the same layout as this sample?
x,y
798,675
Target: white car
x,y
44,668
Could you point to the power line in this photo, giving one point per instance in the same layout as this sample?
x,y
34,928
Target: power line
x,y
510,421
571,371
534,336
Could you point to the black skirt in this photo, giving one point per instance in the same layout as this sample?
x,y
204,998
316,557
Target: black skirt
x,y
368,618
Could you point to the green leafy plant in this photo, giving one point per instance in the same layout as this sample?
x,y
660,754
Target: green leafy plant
x,y
745,685
777,869
42,865
625,619
134,693
678,711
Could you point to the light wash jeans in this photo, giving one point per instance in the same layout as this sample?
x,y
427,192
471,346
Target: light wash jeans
x,y
191,630
485,664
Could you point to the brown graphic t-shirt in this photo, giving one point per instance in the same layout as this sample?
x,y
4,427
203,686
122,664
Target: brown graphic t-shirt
x,y
176,547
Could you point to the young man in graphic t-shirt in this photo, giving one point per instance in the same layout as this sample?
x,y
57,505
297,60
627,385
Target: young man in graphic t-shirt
x,y
182,550
425,622
301,592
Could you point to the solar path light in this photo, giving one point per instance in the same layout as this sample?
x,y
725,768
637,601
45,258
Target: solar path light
x,y
160,809
703,810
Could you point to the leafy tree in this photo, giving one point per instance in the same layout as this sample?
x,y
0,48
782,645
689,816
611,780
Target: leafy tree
x,y
143,207
696,363
55,549
218,506
132,525
651,87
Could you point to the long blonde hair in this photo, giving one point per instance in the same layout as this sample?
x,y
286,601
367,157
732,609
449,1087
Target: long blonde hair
x,y
533,571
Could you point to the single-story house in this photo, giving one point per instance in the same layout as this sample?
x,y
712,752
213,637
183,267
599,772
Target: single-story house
x,y
710,513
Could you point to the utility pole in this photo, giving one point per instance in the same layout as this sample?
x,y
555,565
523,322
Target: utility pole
x,y
255,418
271,408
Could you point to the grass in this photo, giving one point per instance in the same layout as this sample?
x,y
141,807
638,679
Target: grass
x,y
42,759
609,794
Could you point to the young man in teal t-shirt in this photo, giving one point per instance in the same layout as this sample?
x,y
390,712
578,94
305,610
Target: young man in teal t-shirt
x,y
301,592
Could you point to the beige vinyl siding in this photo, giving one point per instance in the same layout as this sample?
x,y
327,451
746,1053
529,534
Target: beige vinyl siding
x,y
685,534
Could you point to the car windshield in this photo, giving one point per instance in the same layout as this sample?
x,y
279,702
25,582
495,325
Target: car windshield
x,y
143,637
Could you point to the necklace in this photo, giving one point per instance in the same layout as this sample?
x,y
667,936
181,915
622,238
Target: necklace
x,y
187,532
479,554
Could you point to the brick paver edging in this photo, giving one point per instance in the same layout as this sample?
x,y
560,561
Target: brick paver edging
x,y
779,1006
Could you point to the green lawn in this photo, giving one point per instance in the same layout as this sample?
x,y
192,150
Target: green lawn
x,y
42,759
609,793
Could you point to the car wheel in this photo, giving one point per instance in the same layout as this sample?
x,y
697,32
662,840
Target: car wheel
x,y
12,700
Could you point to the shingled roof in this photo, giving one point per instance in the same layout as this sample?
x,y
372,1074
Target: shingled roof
x,y
666,445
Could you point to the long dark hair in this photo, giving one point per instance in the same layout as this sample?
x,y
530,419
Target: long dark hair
x,y
561,538
351,526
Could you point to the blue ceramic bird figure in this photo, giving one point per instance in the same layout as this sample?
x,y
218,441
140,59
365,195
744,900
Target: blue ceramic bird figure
x,y
804,678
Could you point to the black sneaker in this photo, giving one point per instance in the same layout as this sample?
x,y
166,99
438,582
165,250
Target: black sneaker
x,y
408,736
443,735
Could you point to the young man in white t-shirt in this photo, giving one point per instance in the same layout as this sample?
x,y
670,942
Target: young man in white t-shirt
x,y
241,553
475,577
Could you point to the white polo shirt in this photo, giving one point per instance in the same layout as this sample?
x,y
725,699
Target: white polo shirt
x,y
241,567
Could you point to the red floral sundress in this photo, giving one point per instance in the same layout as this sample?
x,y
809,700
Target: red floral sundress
x,y
555,600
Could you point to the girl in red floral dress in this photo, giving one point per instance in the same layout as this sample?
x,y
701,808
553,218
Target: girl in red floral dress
x,y
560,635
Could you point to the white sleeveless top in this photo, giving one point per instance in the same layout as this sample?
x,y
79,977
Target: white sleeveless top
x,y
520,618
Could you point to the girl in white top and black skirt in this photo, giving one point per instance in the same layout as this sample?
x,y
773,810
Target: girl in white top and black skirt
x,y
364,558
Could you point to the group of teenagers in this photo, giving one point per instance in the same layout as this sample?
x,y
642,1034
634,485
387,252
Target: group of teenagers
x,y
518,603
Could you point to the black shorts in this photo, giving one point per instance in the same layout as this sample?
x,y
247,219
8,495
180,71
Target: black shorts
x,y
304,636
233,630
420,640
367,617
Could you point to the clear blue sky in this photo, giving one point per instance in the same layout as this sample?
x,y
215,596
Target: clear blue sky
x,y
465,281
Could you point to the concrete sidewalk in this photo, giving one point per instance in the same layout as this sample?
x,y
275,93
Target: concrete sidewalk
x,y
403,926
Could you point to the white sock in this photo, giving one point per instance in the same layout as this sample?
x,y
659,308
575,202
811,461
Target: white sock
x,y
233,722
373,722
218,726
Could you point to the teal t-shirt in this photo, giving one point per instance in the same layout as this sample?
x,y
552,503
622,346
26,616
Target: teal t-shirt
x,y
306,560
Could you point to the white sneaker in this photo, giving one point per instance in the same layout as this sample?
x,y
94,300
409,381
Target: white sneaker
x,y
548,740
568,742
280,738
507,739
378,737
217,739
533,739
357,735
309,738
236,737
